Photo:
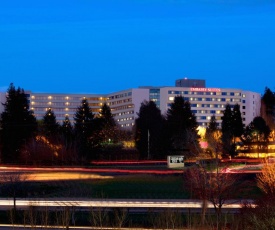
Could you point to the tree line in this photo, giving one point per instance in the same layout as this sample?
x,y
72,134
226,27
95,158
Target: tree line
x,y
27,140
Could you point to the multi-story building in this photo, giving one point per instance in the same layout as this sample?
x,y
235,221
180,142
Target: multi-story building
x,y
125,104
62,104
206,102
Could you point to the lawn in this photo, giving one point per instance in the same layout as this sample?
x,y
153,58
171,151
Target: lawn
x,y
141,186
91,184
134,186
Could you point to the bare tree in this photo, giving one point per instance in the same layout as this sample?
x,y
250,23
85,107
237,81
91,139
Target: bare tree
x,y
266,179
12,183
215,187
98,217
120,217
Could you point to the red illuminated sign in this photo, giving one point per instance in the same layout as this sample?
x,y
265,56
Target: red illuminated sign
x,y
206,89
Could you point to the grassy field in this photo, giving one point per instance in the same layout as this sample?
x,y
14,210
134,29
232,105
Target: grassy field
x,y
139,186
91,184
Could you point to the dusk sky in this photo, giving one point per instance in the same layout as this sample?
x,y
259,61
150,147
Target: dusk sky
x,y
102,46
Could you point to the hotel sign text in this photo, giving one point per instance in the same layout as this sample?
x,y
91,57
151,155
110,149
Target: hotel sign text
x,y
206,89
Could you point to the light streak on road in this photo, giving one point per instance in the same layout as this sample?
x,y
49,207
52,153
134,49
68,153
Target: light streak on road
x,y
92,170
51,176
114,203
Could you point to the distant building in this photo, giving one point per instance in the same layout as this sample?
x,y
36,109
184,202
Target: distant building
x,y
125,104
195,83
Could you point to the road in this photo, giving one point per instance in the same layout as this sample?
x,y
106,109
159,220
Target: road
x,y
6,204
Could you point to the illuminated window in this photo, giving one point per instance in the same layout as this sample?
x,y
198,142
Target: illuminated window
x,y
171,98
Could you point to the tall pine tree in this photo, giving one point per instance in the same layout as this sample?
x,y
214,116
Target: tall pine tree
x,y
268,106
237,122
67,128
108,129
18,124
50,125
84,129
227,131
212,126
149,131
182,127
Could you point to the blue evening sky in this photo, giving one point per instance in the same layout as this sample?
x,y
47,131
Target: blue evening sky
x,y
102,46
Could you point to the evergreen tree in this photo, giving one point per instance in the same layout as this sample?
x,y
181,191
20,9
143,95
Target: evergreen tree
x,y
68,152
237,122
67,131
84,129
18,123
227,131
258,132
50,125
108,129
106,115
149,131
212,126
67,128
268,100
182,127
232,127
260,129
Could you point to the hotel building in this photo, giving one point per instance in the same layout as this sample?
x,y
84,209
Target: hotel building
x,y
125,104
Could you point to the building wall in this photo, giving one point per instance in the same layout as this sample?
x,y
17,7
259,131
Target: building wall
x,y
190,83
62,104
208,101
125,104
251,106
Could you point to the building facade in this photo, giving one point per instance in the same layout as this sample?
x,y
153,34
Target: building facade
x,y
125,104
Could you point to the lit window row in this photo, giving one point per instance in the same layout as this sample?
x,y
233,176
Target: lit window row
x,y
127,125
121,101
127,94
123,107
204,93
124,113
126,119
